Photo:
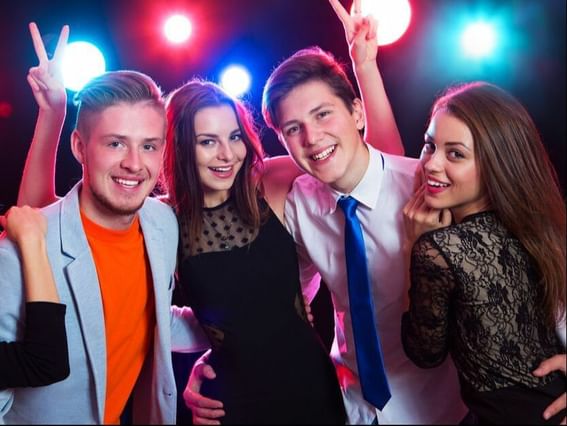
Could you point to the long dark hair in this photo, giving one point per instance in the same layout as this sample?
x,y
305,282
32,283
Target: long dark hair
x,y
519,178
180,176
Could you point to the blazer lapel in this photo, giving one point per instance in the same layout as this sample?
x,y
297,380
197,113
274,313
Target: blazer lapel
x,y
83,281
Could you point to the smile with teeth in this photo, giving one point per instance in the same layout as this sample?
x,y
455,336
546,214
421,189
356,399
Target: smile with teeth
x,y
127,182
324,154
221,169
437,184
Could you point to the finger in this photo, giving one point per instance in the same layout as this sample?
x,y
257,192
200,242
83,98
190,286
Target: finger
x,y
372,29
201,421
61,43
555,407
195,400
207,413
556,362
33,84
3,221
38,44
208,371
340,11
36,84
356,9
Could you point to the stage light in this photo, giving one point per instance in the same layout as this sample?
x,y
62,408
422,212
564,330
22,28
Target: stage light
x,y
177,29
478,39
81,62
235,80
393,18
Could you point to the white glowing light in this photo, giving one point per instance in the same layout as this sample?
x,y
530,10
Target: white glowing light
x,y
81,62
235,80
177,29
479,39
393,18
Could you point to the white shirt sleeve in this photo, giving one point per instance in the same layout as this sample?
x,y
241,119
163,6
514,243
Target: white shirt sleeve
x,y
186,332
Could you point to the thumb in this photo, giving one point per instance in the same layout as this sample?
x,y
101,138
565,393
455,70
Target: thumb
x,y
208,372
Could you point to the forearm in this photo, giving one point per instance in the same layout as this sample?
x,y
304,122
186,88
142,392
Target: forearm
x,y
39,282
37,188
381,129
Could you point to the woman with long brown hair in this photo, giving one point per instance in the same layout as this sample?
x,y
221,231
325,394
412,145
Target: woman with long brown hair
x,y
488,276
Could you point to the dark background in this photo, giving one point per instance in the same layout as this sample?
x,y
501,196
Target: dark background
x,y
258,34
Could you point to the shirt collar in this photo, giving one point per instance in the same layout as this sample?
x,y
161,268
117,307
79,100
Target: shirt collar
x,y
367,190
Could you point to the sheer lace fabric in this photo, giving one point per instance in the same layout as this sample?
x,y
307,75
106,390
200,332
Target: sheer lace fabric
x,y
475,293
223,229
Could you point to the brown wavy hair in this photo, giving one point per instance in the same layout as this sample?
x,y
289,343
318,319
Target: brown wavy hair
x,y
180,177
519,179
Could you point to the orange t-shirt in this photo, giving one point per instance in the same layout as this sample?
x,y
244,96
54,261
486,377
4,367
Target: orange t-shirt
x,y
126,288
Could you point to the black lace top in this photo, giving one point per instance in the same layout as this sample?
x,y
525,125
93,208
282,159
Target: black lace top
x,y
474,293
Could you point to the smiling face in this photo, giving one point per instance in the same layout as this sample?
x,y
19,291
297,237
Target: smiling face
x,y
219,152
121,158
452,175
322,135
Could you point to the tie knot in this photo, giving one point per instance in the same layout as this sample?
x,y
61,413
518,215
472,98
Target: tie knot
x,y
348,205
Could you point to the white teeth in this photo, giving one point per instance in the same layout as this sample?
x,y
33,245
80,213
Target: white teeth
x,y
324,154
221,169
437,184
126,182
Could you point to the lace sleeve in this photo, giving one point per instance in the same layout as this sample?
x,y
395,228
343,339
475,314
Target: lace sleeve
x,y
425,325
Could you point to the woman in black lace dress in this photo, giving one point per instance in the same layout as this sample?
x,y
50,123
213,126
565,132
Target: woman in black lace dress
x,y
488,285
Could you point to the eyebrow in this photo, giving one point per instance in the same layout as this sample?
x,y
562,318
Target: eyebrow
x,y
124,137
428,138
311,112
214,135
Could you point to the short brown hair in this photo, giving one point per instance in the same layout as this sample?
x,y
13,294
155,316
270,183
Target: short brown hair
x,y
111,88
305,65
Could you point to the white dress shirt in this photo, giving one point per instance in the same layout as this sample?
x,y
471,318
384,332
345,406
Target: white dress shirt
x,y
418,396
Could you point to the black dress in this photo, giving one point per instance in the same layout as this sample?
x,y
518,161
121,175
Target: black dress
x,y
475,294
41,358
244,288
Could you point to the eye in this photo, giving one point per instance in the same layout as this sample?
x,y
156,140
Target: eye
x,y
149,147
290,131
115,144
323,114
206,142
236,137
428,148
455,155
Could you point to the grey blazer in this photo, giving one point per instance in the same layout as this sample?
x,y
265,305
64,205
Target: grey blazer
x,y
80,398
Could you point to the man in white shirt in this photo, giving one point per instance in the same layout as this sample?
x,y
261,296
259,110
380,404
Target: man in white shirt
x,y
312,106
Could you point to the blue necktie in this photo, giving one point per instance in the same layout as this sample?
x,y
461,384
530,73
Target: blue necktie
x,y
367,344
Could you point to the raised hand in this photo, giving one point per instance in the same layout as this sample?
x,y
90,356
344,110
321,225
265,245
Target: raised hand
x,y
46,79
24,223
420,218
360,33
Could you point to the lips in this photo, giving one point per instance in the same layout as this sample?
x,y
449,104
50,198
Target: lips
x,y
323,155
128,183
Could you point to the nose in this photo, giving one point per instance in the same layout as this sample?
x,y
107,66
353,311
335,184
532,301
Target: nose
x,y
132,161
225,151
433,162
312,134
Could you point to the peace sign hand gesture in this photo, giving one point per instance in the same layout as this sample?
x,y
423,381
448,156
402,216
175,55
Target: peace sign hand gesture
x,y
360,33
46,79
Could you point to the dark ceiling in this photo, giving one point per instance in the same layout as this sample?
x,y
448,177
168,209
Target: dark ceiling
x,y
260,33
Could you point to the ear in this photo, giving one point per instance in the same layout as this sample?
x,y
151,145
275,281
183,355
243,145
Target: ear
x,y
358,114
78,146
